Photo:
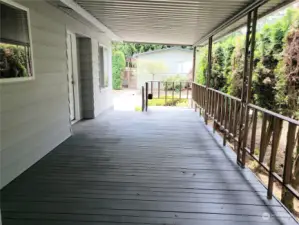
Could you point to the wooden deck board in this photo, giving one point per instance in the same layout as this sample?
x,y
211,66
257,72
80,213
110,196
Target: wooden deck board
x,y
160,167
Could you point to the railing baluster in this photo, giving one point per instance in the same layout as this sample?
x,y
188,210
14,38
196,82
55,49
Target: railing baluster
x,y
208,103
263,139
225,120
213,104
221,110
166,92
152,88
146,96
159,89
187,92
253,131
181,90
288,164
173,93
236,118
275,142
230,123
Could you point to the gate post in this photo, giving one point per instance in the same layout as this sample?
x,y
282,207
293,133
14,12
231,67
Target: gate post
x,y
146,96
246,87
142,96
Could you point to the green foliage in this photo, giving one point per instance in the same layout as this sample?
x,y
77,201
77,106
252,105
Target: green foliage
x,y
275,84
228,47
264,79
118,66
169,102
218,79
202,65
138,108
129,49
234,80
287,86
17,59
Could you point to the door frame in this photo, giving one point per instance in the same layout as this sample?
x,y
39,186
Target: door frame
x,y
74,55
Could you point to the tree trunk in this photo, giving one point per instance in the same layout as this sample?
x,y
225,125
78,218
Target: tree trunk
x,y
268,135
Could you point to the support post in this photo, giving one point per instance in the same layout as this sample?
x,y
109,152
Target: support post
x,y
208,77
246,87
194,64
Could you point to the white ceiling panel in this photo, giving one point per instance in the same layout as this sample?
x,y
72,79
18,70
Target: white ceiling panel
x,y
168,21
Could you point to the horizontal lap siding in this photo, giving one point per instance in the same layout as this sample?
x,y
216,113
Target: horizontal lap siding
x,y
34,115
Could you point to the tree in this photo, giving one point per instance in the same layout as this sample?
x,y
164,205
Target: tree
x,y
218,79
118,66
202,65
228,47
289,86
151,67
264,78
234,81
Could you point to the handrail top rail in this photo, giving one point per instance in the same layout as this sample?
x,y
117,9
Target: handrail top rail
x,y
200,85
219,92
227,95
288,119
162,81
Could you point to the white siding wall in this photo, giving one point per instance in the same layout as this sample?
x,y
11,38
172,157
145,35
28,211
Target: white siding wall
x,y
34,115
170,59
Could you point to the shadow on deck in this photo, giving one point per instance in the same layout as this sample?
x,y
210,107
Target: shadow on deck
x,y
160,167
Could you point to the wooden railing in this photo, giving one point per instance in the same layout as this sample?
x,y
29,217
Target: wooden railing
x,y
168,91
224,111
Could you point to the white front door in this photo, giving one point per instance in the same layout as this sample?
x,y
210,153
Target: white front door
x,y
70,66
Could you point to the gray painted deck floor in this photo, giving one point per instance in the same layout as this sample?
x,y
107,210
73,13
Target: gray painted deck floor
x,y
161,167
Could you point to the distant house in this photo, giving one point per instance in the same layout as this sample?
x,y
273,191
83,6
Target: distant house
x,y
160,64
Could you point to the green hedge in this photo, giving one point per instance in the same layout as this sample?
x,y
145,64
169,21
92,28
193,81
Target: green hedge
x,y
118,67
272,74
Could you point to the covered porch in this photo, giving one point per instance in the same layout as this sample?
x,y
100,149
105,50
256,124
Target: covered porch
x,y
161,166
164,166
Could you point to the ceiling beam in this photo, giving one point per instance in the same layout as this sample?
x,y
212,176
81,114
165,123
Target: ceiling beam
x,y
86,15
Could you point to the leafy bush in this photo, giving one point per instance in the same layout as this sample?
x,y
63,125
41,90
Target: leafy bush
x,y
138,108
218,79
17,59
202,61
169,102
118,66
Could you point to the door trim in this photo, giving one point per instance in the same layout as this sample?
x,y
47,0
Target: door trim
x,y
74,55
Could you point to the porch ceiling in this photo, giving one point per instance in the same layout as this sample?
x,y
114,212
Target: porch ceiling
x,y
167,21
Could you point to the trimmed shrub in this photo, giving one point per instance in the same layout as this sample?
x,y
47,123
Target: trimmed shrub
x,y
118,66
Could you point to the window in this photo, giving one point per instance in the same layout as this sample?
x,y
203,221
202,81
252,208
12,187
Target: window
x,y
103,67
15,45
